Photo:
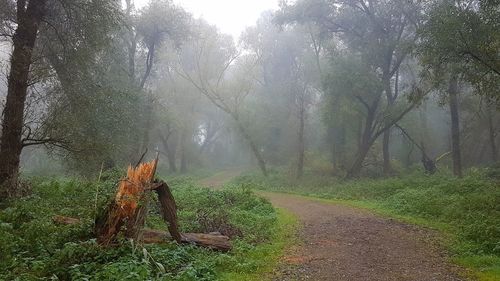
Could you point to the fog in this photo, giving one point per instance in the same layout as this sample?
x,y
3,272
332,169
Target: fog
x,y
336,88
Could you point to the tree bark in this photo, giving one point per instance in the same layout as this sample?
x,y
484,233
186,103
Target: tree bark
x,y
168,210
129,207
365,144
301,144
28,22
455,126
386,153
391,99
183,151
170,150
492,136
253,147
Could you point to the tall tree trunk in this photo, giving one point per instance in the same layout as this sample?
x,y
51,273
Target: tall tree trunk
x,y
184,146
424,131
391,98
132,44
386,153
253,146
170,150
365,144
301,144
28,21
355,168
492,136
147,122
455,126
333,147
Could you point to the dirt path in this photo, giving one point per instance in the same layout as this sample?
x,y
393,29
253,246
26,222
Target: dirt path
x,y
344,243
219,179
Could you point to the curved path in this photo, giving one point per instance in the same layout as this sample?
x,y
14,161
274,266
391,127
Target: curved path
x,y
348,244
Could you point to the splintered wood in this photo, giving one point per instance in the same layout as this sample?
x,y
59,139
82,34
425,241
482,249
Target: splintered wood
x,y
131,189
129,207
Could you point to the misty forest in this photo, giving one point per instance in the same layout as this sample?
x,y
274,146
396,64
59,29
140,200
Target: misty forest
x,y
330,140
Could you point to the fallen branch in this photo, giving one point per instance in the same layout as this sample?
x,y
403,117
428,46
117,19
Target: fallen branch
x,y
214,241
62,220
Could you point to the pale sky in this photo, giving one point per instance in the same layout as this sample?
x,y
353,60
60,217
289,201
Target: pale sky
x,y
230,16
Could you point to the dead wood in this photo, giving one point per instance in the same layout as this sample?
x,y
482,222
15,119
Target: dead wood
x,y
214,241
129,206
65,220
168,209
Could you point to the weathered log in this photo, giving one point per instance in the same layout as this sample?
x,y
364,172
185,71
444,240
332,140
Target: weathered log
x,y
65,220
214,241
168,209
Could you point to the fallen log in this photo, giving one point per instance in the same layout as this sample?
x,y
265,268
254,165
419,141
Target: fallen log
x,y
214,241
62,220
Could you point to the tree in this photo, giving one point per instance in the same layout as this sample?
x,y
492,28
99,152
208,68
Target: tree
x,y
160,23
459,43
225,77
34,20
28,16
288,79
353,79
382,32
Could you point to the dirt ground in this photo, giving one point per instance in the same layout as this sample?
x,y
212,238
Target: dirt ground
x,y
345,243
216,181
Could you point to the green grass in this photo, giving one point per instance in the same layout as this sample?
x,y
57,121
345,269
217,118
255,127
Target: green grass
x,y
32,247
262,259
466,211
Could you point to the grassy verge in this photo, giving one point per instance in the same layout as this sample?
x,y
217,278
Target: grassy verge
x,y
466,211
261,260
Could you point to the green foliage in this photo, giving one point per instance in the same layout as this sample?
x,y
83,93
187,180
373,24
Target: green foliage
x,y
464,38
34,248
468,209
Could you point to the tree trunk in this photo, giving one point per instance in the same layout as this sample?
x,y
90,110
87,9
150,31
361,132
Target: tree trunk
x,y
253,147
147,122
366,142
24,39
492,136
183,151
391,98
386,153
129,207
358,162
455,126
301,144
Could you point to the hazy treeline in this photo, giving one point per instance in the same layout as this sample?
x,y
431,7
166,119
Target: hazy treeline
x,y
341,87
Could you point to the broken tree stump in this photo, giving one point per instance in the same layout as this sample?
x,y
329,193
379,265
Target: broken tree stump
x,y
127,212
129,206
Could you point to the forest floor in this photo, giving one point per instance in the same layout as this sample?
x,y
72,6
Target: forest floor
x,y
339,242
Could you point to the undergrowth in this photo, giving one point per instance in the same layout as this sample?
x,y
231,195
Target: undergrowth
x,y
32,247
466,210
